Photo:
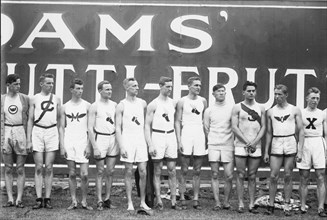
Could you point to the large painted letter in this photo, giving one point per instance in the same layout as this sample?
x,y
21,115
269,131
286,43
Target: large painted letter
x,y
204,38
300,83
61,31
7,29
143,24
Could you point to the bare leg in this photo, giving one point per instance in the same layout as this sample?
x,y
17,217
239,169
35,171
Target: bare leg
x,y
197,164
142,171
185,161
240,163
20,176
172,181
157,165
49,159
304,176
215,182
228,171
321,190
38,178
288,184
99,177
252,171
275,165
128,184
110,161
8,161
72,180
84,167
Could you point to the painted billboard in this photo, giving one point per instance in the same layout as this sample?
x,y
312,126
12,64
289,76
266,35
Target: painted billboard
x,y
269,42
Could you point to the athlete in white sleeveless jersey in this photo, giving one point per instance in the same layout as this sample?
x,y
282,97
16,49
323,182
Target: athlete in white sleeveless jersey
x,y
249,124
161,139
283,121
74,142
14,113
130,114
101,129
43,137
217,122
190,137
314,149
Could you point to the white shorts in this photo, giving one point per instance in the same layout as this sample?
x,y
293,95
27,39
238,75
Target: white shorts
x,y
313,154
282,146
193,141
165,144
45,139
135,145
107,145
75,148
15,140
223,156
242,152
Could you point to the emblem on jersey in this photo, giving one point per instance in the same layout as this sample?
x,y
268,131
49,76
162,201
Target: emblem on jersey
x,y
195,111
166,117
13,109
110,120
44,106
134,119
311,125
76,117
282,119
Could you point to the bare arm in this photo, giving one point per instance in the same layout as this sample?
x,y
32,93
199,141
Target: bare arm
x,y
206,121
90,129
262,129
62,124
235,122
324,125
87,152
268,136
299,125
178,123
119,124
30,124
147,127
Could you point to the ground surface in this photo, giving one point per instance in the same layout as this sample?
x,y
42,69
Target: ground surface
x,y
61,200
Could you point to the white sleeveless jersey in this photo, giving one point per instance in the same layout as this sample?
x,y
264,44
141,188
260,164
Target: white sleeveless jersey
x,y
76,119
220,129
133,117
163,118
283,121
248,126
50,117
13,110
313,122
105,117
192,111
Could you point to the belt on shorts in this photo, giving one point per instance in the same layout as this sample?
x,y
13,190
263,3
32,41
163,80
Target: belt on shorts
x,y
290,135
45,127
161,131
313,136
99,133
13,125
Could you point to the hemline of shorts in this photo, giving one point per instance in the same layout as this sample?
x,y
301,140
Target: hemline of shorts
x,y
165,158
248,156
284,155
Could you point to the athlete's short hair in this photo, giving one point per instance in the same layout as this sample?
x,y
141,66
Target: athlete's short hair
x,y
100,84
163,80
313,90
127,80
74,82
192,79
46,75
249,83
11,78
218,86
282,87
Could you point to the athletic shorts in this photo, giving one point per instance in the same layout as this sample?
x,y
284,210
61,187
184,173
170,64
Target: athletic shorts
x,y
282,146
193,141
242,152
313,154
223,156
107,145
165,144
15,140
75,148
45,139
135,145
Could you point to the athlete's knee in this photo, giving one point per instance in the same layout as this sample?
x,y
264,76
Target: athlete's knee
x,y
172,173
48,170
273,177
229,177
72,175
100,172
9,169
142,173
214,175
184,170
196,173
321,178
38,170
110,172
20,171
241,174
287,177
84,177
